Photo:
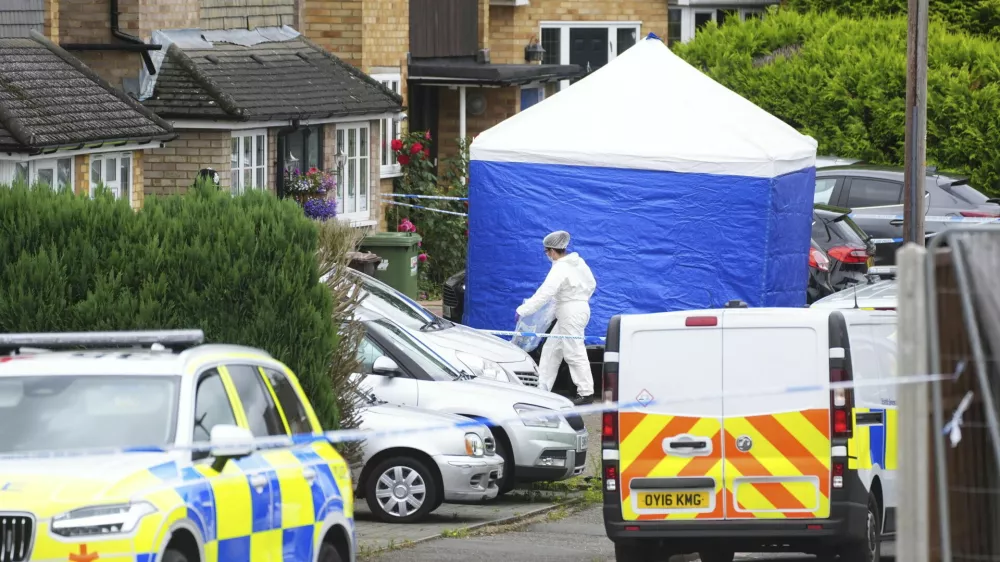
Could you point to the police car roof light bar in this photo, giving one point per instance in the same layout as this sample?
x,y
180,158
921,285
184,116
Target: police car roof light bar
x,y
172,339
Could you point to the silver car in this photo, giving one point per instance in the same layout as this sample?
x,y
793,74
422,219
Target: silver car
x,y
439,458
537,437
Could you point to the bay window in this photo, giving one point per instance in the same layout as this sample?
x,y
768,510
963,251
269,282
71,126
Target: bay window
x,y
389,130
57,173
113,170
354,178
248,159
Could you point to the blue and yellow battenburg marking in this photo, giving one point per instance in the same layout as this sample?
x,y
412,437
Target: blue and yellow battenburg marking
x,y
876,444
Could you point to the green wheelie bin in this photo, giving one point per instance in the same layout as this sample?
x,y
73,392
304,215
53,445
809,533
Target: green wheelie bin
x,y
400,263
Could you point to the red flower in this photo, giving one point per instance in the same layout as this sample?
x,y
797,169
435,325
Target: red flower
x,y
427,135
416,147
403,159
313,170
422,257
427,153
396,145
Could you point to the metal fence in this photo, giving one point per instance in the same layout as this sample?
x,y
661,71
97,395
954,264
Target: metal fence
x,y
949,434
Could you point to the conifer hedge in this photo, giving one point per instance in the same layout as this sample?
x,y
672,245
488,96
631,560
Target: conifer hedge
x,y
842,81
243,269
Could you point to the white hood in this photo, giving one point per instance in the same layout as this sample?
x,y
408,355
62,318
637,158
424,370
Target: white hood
x,y
469,340
497,391
390,416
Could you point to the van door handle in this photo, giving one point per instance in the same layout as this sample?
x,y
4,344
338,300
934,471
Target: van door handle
x,y
687,446
896,222
309,474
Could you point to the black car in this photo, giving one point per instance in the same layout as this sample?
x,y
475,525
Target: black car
x,y
878,191
847,249
819,274
453,297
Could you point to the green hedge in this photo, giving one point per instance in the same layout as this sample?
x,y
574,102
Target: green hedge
x,y
243,269
842,81
979,17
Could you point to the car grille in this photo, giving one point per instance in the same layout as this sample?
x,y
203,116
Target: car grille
x,y
449,296
575,421
16,534
528,378
491,445
581,459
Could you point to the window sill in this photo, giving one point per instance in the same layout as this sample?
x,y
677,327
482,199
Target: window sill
x,y
389,172
360,223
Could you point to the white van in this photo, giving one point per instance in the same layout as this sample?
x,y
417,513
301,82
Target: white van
x,y
731,439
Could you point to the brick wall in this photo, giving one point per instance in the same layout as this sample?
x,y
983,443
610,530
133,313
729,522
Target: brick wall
x,y
165,14
173,169
501,103
336,26
247,14
138,180
81,174
50,25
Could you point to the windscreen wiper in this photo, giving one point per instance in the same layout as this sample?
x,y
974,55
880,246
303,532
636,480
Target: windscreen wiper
x,y
433,323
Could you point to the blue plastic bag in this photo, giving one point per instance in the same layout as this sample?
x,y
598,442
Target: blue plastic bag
x,y
536,323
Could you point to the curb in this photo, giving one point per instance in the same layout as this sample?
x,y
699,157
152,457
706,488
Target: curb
x,y
495,523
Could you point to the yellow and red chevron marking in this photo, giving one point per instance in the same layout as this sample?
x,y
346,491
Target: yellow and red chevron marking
x,y
786,473
642,456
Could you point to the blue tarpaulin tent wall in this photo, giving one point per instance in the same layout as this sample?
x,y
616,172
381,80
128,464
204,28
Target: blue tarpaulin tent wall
x,y
679,193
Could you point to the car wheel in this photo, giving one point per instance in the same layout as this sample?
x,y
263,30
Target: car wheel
x,y
401,490
506,482
327,553
174,555
717,556
869,549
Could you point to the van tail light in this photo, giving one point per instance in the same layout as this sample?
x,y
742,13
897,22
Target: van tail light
x,y
848,254
841,405
818,260
610,478
701,321
979,214
838,475
609,420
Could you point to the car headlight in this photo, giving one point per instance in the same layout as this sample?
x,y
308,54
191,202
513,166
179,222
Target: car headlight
x,y
474,446
536,416
482,367
101,519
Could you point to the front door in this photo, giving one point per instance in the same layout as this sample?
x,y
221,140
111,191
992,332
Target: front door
x,y
589,47
671,440
776,444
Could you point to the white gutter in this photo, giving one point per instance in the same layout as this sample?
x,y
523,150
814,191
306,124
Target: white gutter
x,y
126,147
180,124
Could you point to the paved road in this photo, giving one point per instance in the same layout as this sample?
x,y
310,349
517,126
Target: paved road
x,y
576,538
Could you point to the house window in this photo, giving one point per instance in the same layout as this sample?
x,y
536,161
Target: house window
x,y
354,178
55,172
388,130
305,149
673,26
588,44
248,157
753,15
113,170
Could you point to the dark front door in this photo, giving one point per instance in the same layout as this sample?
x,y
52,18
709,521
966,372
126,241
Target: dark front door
x,y
588,47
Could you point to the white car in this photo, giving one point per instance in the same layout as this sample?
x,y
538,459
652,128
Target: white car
x,y
406,475
537,439
477,352
881,295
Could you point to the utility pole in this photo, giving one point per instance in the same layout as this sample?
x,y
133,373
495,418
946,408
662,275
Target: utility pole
x,y
916,123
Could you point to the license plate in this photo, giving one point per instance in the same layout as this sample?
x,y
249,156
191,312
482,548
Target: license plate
x,y
581,443
446,310
673,500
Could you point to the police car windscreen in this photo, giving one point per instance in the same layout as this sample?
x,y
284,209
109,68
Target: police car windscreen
x,y
54,413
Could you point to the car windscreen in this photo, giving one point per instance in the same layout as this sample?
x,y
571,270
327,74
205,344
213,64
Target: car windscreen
x,y
53,413
430,362
838,230
394,305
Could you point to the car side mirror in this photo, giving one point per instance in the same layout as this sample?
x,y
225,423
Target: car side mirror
x,y
386,367
229,442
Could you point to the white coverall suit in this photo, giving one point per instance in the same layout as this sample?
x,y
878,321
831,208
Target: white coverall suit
x,y
570,284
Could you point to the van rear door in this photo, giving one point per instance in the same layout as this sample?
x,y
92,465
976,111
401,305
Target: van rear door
x,y
776,444
670,438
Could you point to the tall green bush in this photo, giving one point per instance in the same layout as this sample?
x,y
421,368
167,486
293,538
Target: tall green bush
x,y
842,81
978,17
243,269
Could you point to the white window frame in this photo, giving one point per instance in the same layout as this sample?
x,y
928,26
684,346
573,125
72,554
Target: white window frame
x,y
116,185
239,165
611,26
349,181
388,167
32,168
688,29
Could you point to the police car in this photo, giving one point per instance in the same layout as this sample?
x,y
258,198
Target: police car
x,y
147,446
734,436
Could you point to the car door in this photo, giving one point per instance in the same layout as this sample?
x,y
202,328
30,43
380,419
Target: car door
x,y
401,389
270,482
234,513
309,488
877,208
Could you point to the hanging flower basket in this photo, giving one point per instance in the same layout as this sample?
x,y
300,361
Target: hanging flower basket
x,y
313,190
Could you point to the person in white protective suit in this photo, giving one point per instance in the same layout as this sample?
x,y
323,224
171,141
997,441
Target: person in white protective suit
x,y
570,284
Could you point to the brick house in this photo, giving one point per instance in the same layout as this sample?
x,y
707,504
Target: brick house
x,y
60,123
686,17
255,104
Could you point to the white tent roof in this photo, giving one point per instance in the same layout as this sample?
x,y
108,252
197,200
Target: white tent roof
x,y
648,109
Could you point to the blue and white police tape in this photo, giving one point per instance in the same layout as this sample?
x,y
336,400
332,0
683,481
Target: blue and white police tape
x,y
358,435
930,218
595,340
389,202
437,197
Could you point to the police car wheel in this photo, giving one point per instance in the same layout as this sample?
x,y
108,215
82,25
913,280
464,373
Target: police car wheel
x,y
327,553
717,556
174,555
401,490
869,549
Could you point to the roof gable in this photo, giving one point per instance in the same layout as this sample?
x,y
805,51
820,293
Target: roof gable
x,y
266,74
